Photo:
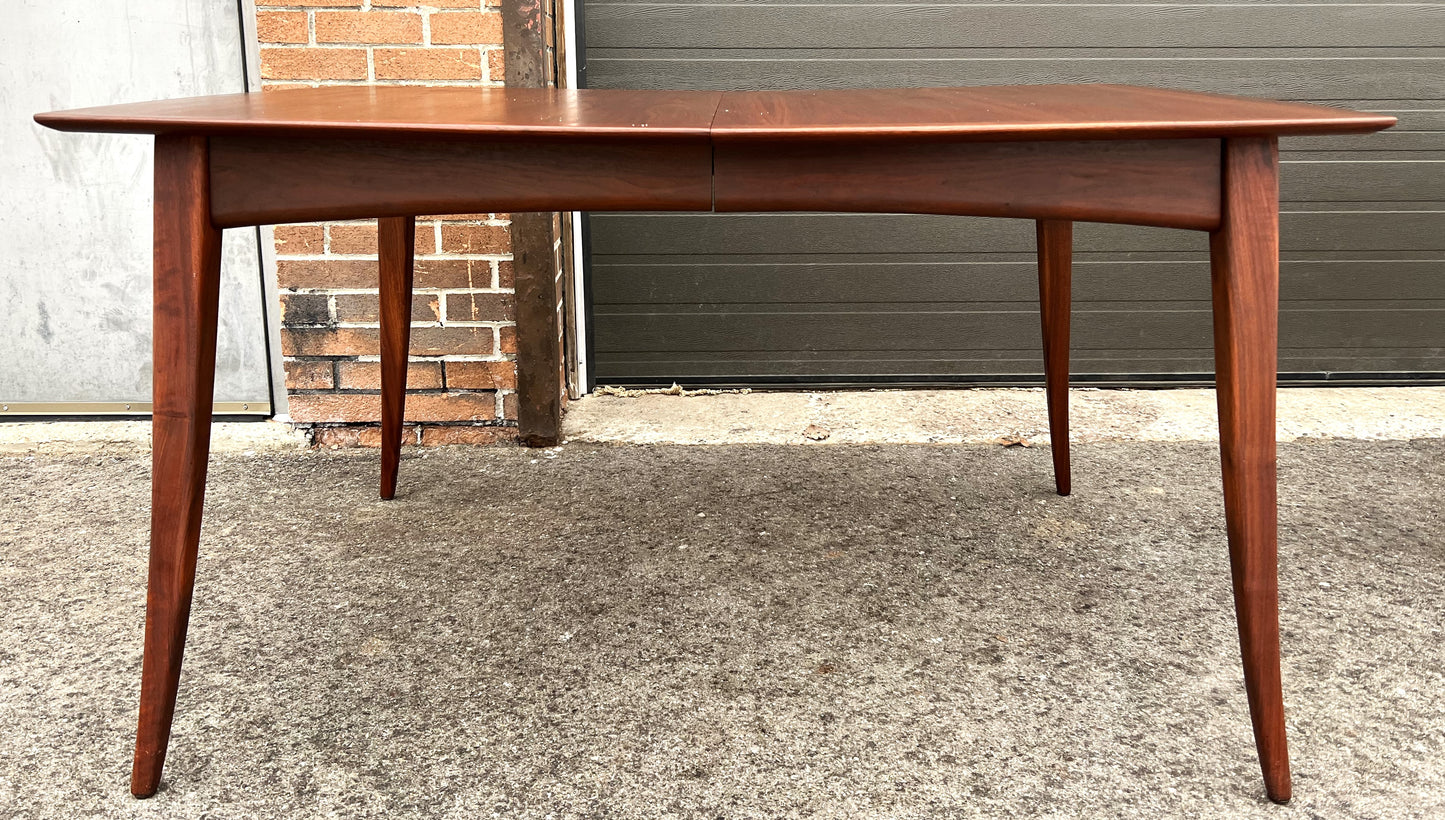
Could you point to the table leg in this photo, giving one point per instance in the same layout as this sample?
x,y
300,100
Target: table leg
x,y
1244,256
396,240
187,274
1056,246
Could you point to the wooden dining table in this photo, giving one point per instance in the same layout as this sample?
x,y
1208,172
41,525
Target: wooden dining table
x,y
1054,154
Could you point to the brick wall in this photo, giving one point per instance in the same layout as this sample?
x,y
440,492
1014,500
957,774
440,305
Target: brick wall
x,y
461,380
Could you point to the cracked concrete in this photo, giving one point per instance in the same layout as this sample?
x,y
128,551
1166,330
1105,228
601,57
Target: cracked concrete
x,y
741,631
977,416
981,416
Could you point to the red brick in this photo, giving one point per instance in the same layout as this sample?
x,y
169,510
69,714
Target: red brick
x,y
361,239
475,239
427,64
509,406
359,436
506,275
481,375
309,375
314,407
330,341
364,341
452,406
313,63
466,27
426,235
292,240
430,435
281,26
366,307
509,339
481,307
305,309
496,65
451,341
439,4
367,375
342,4
367,27
426,308
331,407
453,273
436,436
326,273
353,239
460,217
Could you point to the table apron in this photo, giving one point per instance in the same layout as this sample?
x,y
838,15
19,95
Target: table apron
x,y
1166,183
1171,183
264,180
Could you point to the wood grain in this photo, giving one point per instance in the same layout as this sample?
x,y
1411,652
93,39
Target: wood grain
x,y
1244,253
396,240
187,276
275,180
1168,183
1077,152
1017,113
1056,245
494,114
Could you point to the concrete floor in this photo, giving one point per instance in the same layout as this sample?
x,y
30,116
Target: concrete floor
x,y
639,631
977,416
982,416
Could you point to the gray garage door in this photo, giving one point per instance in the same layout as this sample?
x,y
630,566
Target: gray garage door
x,y
823,297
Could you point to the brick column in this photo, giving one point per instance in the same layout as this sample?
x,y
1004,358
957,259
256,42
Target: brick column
x,y
461,379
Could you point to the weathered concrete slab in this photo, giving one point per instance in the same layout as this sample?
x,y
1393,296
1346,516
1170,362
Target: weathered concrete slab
x,y
100,437
979,416
738,632
861,417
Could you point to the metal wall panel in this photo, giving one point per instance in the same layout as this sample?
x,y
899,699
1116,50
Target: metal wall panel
x,y
75,223
702,298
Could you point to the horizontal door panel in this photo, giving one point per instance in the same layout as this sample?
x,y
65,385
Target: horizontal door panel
x,y
1365,229
962,327
660,283
1321,78
918,25
803,295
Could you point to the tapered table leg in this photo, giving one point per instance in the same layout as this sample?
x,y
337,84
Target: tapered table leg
x,y
1056,246
187,273
1244,256
396,238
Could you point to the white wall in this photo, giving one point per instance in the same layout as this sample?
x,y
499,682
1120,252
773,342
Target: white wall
x,y
75,213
